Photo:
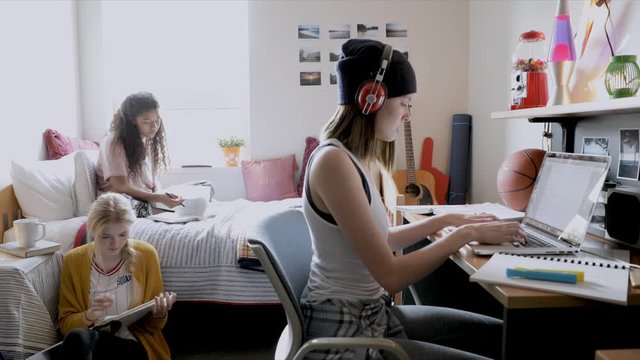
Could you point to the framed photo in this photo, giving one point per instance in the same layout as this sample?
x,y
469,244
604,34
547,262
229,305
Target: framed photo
x,y
396,30
309,55
340,31
595,145
308,31
367,31
629,159
308,78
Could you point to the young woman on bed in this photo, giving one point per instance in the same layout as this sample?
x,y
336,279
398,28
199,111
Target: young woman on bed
x,y
107,276
133,152
353,268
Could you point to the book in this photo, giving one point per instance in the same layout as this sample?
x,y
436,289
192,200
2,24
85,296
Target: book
x,y
500,211
603,280
126,318
173,218
41,247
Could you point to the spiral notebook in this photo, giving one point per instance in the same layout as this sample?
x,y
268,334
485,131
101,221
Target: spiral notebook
x,y
603,280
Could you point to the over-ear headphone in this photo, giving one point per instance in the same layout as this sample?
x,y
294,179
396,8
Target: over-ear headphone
x,y
372,93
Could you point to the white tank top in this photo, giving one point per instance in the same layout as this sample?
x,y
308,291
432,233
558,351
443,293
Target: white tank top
x,y
336,270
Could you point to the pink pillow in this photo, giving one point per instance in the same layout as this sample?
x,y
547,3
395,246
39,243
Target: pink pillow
x,y
311,144
267,180
59,145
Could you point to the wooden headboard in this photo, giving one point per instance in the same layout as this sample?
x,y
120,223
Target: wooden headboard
x,y
9,209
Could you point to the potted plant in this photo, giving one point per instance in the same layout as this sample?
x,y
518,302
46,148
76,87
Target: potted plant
x,y
231,149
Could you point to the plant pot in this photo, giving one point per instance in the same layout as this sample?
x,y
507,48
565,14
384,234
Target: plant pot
x,y
231,155
622,77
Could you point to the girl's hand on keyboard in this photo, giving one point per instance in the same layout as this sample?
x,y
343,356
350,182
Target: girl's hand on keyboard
x,y
497,232
453,219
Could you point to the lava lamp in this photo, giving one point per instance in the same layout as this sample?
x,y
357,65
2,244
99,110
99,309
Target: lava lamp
x,y
562,55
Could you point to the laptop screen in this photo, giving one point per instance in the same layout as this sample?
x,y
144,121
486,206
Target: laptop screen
x,y
565,194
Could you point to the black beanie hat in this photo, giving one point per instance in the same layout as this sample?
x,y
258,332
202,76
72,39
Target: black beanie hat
x,y
360,61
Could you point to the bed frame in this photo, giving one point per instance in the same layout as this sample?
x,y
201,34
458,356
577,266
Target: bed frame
x,y
9,209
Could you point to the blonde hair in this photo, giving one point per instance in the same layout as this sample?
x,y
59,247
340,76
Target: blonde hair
x,y
112,208
357,133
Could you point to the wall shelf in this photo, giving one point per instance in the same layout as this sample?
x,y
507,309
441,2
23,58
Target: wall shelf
x,y
568,115
604,107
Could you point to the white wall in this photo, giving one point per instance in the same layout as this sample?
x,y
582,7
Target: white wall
x,y
38,82
283,113
493,35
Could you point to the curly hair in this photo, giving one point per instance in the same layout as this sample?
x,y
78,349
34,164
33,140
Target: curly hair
x,y
126,133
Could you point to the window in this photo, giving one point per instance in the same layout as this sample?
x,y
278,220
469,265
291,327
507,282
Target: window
x,y
194,57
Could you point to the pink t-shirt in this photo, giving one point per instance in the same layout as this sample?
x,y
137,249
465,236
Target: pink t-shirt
x,y
113,162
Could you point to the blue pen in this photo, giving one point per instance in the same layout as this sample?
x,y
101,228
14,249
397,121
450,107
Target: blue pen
x,y
546,275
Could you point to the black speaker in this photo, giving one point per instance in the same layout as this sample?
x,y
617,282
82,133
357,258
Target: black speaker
x,y
622,215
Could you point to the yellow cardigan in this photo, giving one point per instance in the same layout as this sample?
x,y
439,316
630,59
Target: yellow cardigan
x,y
75,288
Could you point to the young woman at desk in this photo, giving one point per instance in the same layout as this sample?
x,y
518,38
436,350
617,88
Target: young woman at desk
x,y
353,268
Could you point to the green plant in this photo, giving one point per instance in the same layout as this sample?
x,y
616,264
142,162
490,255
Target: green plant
x,y
231,141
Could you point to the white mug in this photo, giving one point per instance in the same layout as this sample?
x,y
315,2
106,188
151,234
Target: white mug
x,y
28,231
192,207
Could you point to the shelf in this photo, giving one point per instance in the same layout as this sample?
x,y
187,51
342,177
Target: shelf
x,y
604,107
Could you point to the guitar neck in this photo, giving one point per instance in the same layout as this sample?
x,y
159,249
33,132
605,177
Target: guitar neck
x,y
408,152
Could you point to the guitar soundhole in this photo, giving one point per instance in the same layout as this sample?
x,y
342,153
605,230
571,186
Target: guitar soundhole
x,y
412,190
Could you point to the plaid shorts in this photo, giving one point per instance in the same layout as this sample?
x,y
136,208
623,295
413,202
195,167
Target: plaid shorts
x,y
344,318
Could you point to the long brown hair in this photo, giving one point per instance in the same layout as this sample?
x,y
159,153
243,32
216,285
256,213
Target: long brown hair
x,y
112,208
357,133
126,133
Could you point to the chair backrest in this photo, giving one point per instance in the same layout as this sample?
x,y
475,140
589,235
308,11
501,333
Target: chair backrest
x,y
282,243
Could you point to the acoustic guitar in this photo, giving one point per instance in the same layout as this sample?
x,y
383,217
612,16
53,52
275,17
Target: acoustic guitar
x,y
419,186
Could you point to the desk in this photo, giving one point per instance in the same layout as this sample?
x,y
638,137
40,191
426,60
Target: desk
x,y
539,325
29,302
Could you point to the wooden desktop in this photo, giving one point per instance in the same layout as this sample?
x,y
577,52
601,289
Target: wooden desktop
x,y
538,325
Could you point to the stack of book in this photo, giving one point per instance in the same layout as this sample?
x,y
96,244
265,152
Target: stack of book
x,y
41,247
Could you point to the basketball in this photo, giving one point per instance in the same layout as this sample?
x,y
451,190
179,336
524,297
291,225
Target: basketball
x,y
517,175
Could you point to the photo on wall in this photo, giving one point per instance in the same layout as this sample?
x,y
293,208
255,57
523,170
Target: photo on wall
x,y
629,159
595,145
367,31
339,31
308,78
308,31
334,55
396,30
333,79
309,55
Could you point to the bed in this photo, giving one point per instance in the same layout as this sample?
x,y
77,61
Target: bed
x,y
200,260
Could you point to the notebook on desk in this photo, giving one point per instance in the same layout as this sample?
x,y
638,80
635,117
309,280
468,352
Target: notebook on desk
x,y
561,204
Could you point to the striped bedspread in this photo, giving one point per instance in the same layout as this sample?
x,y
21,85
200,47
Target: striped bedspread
x,y
28,304
199,259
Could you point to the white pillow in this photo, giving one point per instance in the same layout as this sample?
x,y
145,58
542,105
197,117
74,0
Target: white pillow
x,y
84,182
60,231
44,188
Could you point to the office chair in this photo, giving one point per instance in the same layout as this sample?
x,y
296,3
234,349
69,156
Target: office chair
x,y
282,243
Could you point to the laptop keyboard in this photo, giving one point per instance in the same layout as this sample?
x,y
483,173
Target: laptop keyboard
x,y
533,241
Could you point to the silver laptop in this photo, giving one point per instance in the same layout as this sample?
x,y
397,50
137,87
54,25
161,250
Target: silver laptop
x,y
561,204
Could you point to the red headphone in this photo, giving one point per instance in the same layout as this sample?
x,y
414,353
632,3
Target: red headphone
x,y
372,93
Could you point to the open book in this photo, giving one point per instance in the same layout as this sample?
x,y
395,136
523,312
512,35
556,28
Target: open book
x,y
126,318
173,218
